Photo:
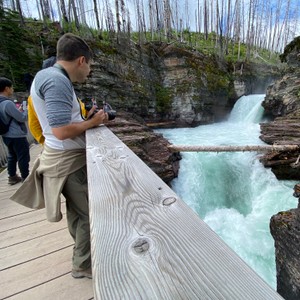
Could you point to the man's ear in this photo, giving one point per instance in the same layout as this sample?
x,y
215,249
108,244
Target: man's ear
x,y
81,60
7,90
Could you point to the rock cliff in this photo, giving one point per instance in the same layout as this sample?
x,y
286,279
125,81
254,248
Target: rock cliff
x,y
166,83
285,230
151,147
282,104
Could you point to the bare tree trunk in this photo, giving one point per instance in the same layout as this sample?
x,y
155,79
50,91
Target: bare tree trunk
x,y
198,26
167,19
46,8
13,5
82,12
283,25
38,9
59,11
220,28
276,25
150,9
96,14
292,29
118,18
205,20
270,30
63,11
181,30
187,14
123,15
228,26
158,18
75,14
176,18
19,8
249,33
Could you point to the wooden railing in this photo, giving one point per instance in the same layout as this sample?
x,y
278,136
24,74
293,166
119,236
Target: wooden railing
x,y
147,243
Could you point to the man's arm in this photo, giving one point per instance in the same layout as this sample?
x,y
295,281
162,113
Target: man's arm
x,y
12,111
75,129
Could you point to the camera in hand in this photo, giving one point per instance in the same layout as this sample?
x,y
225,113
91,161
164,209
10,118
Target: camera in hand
x,y
106,107
110,112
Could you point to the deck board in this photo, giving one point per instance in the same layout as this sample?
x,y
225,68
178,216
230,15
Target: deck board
x,y
35,255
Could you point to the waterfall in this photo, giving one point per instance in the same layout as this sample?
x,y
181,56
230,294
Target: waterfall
x,y
233,192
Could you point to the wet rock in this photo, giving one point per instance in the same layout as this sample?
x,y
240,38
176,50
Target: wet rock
x,y
282,103
149,146
285,229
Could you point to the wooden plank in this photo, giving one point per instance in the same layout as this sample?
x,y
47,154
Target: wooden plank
x,y
22,220
147,243
20,253
30,232
4,196
20,278
36,256
5,187
62,288
33,216
11,205
13,210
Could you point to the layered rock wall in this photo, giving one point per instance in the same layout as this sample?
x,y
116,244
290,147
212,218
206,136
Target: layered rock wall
x,y
164,83
285,230
282,104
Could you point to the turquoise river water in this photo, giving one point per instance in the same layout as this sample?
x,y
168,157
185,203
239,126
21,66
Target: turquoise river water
x,y
232,192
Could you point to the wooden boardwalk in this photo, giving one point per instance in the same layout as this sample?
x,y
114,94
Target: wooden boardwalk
x,y
35,255
146,243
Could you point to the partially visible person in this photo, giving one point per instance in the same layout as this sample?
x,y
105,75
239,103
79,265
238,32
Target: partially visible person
x,y
16,137
61,168
49,62
28,81
51,57
33,122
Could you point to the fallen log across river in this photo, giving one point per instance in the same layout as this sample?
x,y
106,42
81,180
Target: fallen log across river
x,y
230,148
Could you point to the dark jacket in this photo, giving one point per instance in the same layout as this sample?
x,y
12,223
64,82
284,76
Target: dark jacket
x,y
17,126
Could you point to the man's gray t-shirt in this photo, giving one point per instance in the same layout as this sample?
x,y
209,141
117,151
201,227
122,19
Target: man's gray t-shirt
x,y
56,105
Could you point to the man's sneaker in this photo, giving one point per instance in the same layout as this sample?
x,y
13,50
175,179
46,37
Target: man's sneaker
x,y
82,273
14,179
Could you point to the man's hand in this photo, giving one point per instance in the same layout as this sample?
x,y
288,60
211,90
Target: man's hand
x,y
98,118
74,129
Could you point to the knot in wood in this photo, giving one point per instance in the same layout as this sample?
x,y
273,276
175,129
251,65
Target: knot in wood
x,y
141,246
169,201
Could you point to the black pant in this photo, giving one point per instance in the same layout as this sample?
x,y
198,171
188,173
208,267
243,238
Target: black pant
x,y
18,152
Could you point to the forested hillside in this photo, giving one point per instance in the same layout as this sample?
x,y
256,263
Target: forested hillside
x,y
236,31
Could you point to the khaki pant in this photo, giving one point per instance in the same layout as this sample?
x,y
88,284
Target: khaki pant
x,y
76,193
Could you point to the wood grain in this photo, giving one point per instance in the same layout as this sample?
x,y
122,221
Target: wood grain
x,y
147,243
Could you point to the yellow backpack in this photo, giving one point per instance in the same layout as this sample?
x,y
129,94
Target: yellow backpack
x,y
34,123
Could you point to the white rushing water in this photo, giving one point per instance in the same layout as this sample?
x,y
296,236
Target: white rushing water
x,y
232,192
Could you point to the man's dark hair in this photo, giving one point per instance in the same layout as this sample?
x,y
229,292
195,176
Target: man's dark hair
x,y
70,46
4,82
